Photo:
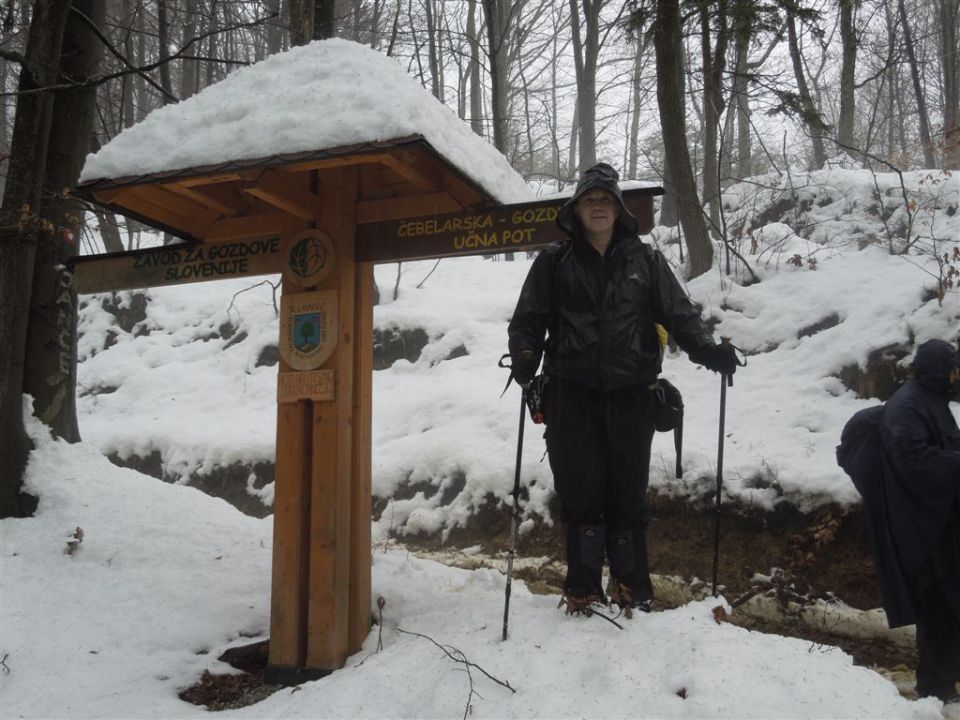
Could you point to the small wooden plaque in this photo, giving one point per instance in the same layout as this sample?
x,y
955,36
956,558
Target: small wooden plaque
x,y
306,385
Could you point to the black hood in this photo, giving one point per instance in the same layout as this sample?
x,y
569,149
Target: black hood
x,y
600,177
934,362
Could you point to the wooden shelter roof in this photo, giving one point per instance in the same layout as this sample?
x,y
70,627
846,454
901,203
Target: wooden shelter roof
x,y
398,178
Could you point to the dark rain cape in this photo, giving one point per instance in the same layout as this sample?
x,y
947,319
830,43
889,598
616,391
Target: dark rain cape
x,y
904,459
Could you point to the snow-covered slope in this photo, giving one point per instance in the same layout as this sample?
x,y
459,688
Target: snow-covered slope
x,y
201,401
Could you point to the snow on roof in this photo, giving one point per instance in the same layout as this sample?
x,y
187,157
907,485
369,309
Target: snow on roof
x,y
327,94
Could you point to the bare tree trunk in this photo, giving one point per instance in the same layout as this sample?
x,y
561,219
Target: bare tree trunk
x,y
635,105
274,28
574,136
741,94
476,89
109,231
395,30
355,35
586,50
811,117
922,117
436,86
668,205
4,145
51,373
189,69
324,20
128,85
714,63
848,71
949,17
668,41
163,41
301,21
142,100
18,239
496,14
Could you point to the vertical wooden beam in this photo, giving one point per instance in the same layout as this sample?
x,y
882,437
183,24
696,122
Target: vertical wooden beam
x,y
330,516
361,492
288,607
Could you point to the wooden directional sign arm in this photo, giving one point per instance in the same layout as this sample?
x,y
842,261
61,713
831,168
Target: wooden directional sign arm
x,y
503,228
497,229
176,265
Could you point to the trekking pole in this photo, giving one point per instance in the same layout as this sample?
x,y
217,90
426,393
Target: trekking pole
x,y
515,516
725,380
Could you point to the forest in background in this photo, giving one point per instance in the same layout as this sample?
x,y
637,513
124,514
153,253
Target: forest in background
x,y
693,95
556,84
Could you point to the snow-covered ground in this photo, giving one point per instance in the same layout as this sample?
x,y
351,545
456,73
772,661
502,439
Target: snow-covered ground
x,y
166,578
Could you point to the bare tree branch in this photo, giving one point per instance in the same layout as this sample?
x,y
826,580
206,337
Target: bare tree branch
x,y
134,70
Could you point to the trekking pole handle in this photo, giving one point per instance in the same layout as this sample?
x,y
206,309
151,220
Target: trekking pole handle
x,y
726,341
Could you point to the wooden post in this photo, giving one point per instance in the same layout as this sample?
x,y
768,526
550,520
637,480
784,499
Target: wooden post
x,y
361,491
321,578
288,619
333,449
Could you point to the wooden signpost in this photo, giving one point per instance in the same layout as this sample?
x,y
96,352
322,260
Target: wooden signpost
x,y
486,230
322,220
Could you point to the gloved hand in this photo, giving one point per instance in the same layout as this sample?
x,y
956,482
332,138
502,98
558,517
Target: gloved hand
x,y
721,358
524,366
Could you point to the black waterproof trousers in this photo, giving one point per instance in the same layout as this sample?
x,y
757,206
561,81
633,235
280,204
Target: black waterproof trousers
x,y
938,617
938,645
599,446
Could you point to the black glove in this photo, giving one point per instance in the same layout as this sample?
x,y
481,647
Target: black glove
x,y
721,358
524,366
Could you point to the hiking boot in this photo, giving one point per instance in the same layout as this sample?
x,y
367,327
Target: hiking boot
x,y
581,605
623,597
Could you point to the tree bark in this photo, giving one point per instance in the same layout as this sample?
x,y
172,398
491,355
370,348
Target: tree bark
x,y
324,20
741,92
811,117
476,90
274,35
923,118
586,50
949,17
18,235
189,69
668,41
51,373
635,106
436,86
301,21
163,41
109,231
848,71
714,63
497,52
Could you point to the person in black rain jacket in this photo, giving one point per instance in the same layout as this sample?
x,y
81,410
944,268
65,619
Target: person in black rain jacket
x,y
588,307
921,445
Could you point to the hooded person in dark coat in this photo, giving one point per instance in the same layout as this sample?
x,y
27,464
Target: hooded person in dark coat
x,y
588,307
904,458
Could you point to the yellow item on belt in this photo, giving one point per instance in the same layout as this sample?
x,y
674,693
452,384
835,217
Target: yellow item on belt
x,y
662,334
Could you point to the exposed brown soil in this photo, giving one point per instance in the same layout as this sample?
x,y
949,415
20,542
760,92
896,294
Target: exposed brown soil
x,y
224,692
824,555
